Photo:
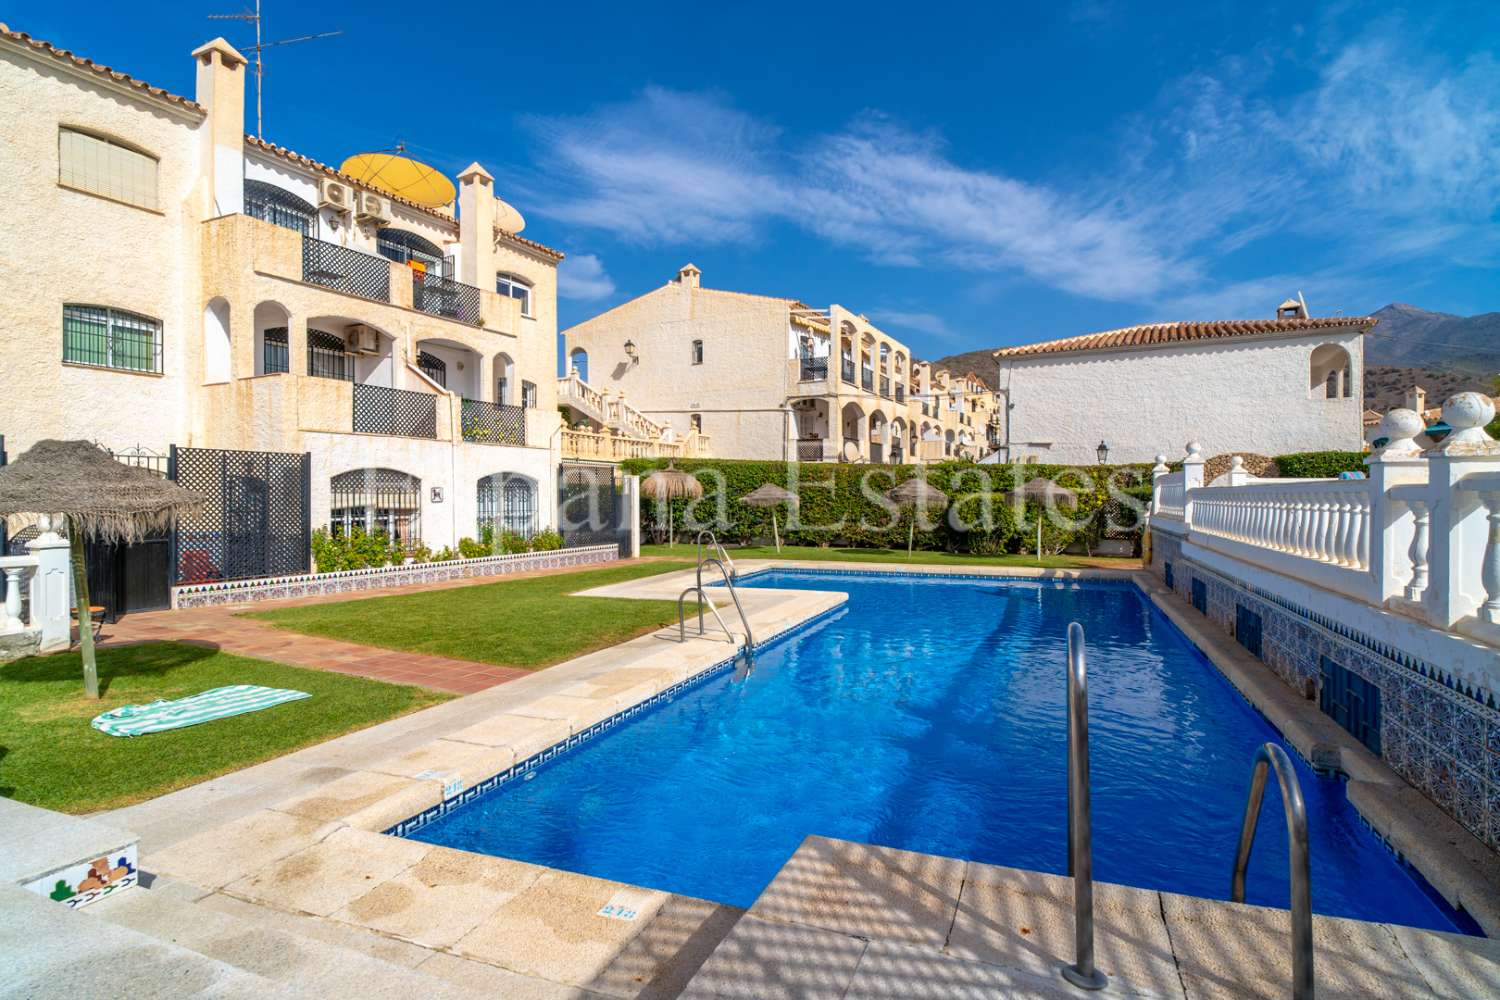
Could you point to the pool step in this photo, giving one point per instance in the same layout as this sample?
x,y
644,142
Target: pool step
x,y
300,955
859,922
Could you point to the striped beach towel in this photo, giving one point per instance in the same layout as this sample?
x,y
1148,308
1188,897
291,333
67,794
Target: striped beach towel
x,y
218,703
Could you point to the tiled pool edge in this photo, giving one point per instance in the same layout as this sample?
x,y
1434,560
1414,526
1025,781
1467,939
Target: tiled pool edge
x,y
575,740
1408,825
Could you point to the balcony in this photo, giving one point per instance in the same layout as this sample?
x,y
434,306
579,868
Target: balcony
x,y
810,450
900,393
603,446
867,379
813,369
848,370
379,409
493,423
885,386
441,296
344,270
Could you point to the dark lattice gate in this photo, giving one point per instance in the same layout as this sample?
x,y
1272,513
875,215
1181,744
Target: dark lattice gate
x,y
589,507
257,518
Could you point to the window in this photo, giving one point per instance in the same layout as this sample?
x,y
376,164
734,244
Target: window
x,y
697,352
111,338
409,248
377,501
516,288
528,395
327,358
105,167
695,423
510,500
275,356
278,206
433,367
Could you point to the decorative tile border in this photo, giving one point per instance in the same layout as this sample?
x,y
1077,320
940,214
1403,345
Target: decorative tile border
x,y
1059,582
275,588
711,672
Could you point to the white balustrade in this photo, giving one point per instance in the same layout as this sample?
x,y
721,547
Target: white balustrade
x,y
1324,520
17,571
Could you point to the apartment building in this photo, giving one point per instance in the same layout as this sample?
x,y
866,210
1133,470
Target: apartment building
x,y
185,285
748,376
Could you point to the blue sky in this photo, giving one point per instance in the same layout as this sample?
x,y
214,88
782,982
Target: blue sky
x,y
966,175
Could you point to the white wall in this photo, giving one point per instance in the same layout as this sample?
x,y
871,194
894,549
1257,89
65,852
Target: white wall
x,y
1241,394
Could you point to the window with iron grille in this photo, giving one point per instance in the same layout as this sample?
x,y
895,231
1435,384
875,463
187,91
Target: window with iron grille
x,y
327,357
528,395
516,288
433,367
697,352
406,247
377,501
106,167
274,354
507,501
280,207
111,338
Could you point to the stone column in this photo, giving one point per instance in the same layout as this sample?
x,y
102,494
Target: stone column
x,y
1192,478
1393,522
51,589
1459,518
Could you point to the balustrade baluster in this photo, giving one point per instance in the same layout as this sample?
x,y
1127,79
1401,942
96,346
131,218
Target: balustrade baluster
x,y
1346,532
1323,530
1489,573
1418,551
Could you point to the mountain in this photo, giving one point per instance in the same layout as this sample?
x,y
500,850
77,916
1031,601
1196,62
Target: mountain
x,y
1412,337
1405,338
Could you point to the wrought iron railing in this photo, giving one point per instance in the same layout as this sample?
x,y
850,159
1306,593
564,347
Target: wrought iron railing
x,y
867,379
345,270
885,386
900,393
814,369
379,409
493,423
432,293
848,366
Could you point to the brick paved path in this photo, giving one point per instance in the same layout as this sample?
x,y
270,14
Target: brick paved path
x,y
220,628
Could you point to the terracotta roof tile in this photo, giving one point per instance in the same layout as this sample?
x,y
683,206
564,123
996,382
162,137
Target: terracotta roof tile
x,y
540,248
1153,334
255,142
63,55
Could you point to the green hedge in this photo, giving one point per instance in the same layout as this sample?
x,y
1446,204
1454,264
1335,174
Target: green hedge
x,y
845,505
1320,464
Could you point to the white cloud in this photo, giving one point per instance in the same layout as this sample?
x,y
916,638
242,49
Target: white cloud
x,y
923,322
582,276
1391,154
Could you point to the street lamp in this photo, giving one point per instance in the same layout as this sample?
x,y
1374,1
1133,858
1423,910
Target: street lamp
x,y
1103,452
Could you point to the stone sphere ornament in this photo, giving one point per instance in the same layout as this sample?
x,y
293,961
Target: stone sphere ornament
x,y
1468,413
1400,427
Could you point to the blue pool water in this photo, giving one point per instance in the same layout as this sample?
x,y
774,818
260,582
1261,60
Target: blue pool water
x,y
929,715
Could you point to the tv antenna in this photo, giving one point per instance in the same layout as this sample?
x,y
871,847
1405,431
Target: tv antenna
x,y
253,17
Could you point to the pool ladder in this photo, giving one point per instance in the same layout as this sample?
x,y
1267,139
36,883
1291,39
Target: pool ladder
x,y
705,601
1083,973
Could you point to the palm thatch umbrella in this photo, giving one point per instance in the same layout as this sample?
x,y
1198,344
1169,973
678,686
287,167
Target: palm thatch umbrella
x,y
1047,492
917,493
771,496
102,499
668,484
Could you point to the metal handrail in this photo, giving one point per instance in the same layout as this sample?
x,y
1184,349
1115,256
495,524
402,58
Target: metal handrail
x,y
1082,972
1267,757
734,596
717,548
703,599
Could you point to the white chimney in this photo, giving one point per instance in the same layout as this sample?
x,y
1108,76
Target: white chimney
x,y
689,275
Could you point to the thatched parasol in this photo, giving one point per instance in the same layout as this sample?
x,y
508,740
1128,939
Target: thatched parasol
x,y
102,499
771,496
1046,491
668,484
917,492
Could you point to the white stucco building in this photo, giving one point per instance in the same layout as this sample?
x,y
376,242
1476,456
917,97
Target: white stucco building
x,y
1269,386
187,285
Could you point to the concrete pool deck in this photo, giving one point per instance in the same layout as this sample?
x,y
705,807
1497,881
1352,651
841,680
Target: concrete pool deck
x,y
281,869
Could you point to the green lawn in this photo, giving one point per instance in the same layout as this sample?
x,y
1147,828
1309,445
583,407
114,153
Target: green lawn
x,y
50,756
897,556
515,623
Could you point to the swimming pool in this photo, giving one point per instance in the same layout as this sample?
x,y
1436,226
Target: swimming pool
x,y
928,715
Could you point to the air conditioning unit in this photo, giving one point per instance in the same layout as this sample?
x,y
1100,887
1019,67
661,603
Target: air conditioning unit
x,y
335,194
362,339
373,208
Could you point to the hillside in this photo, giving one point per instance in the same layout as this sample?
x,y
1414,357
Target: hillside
x,y
1442,352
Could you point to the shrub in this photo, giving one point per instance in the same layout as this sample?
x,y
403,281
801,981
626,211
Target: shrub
x,y
839,505
469,548
511,542
1320,464
546,541
356,550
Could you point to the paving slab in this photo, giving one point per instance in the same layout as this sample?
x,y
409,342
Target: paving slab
x,y
904,972
228,853
878,893
658,962
1024,920
522,735
442,897
491,981
365,799
1452,965
554,928
470,761
332,873
770,960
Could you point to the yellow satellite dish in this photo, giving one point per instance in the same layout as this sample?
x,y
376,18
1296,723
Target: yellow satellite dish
x,y
401,176
507,218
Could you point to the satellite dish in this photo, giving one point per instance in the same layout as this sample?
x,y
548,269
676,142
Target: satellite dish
x,y
402,176
507,218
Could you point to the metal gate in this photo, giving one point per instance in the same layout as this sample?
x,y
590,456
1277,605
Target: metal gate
x,y
257,516
589,507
